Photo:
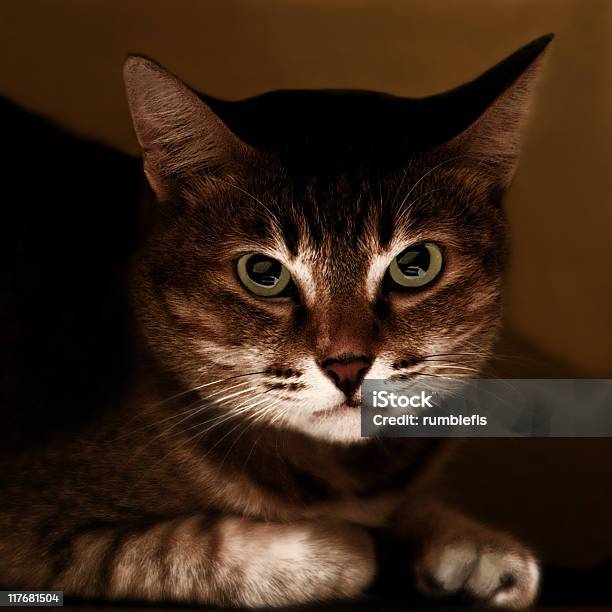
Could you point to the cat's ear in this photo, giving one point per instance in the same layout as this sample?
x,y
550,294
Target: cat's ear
x,y
492,142
179,134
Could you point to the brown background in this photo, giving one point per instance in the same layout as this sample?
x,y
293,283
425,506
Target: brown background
x,y
63,59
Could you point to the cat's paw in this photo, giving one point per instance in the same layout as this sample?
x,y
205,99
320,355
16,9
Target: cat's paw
x,y
284,564
500,574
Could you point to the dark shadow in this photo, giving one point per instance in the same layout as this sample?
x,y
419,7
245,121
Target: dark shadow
x,y
68,223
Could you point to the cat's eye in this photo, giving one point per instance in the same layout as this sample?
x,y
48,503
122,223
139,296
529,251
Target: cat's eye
x,y
417,265
263,275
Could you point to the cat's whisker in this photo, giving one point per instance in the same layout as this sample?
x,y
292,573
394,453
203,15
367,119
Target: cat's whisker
x,y
249,407
424,176
232,395
406,209
187,414
228,416
226,389
240,423
399,188
237,410
202,386
208,424
273,216
165,432
191,390
207,405
187,391
246,407
189,410
225,416
476,354
248,399
278,417
451,366
247,426
415,375
249,423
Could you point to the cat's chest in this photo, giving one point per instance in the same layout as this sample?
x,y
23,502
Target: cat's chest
x,y
364,486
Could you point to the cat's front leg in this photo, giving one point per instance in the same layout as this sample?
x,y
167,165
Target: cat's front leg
x,y
452,554
229,561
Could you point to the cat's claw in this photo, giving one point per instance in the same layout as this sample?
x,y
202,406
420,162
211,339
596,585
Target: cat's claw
x,y
497,577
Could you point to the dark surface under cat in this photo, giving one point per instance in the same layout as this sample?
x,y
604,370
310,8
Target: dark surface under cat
x,y
366,606
562,589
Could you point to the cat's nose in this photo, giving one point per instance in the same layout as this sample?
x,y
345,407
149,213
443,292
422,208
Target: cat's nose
x,y
347,372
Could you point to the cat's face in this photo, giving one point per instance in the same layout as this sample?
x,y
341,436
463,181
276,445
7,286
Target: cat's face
x,y
342,315
275,291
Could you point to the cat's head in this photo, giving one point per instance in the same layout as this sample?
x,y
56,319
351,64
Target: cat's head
x,y
304,240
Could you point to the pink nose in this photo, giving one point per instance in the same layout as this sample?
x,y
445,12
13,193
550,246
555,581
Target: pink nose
x,y
347,373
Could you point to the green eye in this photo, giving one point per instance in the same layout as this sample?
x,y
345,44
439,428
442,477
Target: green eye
x,y
417,265
263,275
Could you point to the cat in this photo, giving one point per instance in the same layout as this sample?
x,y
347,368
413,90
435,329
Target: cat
x,y
292,244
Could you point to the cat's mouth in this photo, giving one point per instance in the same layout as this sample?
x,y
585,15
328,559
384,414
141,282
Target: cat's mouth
x,y
349,405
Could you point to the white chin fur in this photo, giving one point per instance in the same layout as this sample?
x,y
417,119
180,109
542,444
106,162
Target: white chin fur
x,y
343,426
